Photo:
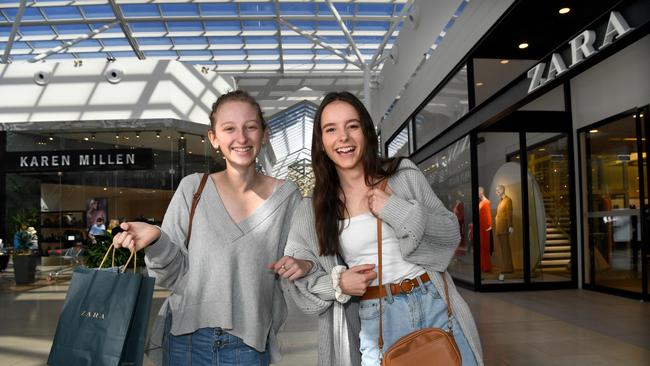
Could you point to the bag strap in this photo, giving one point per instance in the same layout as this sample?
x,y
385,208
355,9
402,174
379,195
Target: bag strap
x,y
195,202
382,186
380,340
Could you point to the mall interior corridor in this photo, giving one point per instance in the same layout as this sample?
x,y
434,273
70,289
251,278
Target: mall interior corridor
x,y
558,327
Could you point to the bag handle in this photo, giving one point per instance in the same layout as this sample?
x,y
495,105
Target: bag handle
x,y
111,248
195,202
380,340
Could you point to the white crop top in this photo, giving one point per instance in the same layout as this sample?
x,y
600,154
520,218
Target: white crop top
x,y
359,246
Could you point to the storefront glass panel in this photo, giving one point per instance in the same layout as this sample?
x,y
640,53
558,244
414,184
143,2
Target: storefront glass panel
x,y
613,241
549,207
445,108
399,146
449,174
499,177
78,181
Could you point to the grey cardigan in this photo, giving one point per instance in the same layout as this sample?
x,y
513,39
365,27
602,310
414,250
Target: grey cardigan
x,y
428,236
222,280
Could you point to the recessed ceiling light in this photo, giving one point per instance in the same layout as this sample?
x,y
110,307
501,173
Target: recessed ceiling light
x,y
479,83
593,131
523,45
503,62
564,10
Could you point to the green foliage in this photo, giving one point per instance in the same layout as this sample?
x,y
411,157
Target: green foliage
x,y
96,254
22,229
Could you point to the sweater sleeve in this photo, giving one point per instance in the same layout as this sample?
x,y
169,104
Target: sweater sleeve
x,y
167,259
313,293
428,232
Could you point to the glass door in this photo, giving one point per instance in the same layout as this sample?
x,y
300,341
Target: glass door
x,y
617,203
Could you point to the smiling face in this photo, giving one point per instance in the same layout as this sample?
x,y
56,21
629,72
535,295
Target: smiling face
x,y
342,135
238,132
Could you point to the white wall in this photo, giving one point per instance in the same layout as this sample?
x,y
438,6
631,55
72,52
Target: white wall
x,y
150,89
473,23
619,83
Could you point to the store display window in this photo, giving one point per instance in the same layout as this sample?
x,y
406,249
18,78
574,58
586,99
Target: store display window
x,y
449,174
81,185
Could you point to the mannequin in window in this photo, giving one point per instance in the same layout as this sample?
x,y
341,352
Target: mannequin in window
x,y
503,228
485,225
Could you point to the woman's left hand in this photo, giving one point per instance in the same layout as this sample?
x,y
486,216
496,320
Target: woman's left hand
x,y
291,268
377,200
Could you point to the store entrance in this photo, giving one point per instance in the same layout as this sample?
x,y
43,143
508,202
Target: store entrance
x,y
526,236
615,179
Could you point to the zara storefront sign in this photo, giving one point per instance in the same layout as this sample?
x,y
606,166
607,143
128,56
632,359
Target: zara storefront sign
x,y
581,48
75,160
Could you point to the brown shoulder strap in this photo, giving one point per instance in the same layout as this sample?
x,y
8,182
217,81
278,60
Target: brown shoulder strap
x,y
382,186
195,202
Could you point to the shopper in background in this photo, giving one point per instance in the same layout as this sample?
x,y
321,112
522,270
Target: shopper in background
x,y
226,307
336,231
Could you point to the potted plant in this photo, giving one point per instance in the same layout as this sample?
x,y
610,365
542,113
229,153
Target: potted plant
x,y
25,242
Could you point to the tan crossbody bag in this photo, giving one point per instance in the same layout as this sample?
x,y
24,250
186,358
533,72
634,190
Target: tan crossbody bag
x,y
429,346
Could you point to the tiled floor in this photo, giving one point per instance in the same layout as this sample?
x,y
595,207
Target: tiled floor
x,y
565,327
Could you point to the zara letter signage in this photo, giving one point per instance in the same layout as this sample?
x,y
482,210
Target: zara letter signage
x,y
581,48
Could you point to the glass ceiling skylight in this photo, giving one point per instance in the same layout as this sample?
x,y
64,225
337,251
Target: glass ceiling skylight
x,y
234,36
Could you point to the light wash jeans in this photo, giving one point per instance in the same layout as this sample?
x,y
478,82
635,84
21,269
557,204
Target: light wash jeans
x,y
211,347
403,314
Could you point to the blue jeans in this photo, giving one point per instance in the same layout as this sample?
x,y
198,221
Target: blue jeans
x,y
213,347
403,314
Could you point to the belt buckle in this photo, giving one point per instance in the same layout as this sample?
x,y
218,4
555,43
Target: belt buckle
x,y
406,286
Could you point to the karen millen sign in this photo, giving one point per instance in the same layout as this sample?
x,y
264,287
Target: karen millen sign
x,y
581,47
127,159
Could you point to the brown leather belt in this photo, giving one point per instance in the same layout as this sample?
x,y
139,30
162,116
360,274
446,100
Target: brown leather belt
x,y
404,287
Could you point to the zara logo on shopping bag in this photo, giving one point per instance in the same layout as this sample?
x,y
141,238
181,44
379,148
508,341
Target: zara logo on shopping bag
x,y
92,315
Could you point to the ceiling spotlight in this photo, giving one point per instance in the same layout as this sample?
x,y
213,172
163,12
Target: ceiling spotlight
x,y
168,136
593,131
202,139
641,115
117,135
479,83
182,136
503,62
564,10
523,45
86,138
137,135
92,136
157,134
51,138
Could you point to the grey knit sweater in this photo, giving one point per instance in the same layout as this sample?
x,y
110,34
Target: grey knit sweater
x,y
428,236
222,281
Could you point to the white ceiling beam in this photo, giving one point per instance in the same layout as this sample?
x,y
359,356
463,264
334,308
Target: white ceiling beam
x,y
278,27
14,30
322,44
202,18
345,30
125,29
69,44
374,62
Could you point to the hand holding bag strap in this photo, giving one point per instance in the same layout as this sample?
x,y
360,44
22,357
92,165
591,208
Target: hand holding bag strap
x,y
195,202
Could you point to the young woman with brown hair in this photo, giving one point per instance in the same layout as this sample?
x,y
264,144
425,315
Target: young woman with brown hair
x,y
226,307
336,231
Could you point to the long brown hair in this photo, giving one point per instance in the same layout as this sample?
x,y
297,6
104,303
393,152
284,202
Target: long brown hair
x,y
329,198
